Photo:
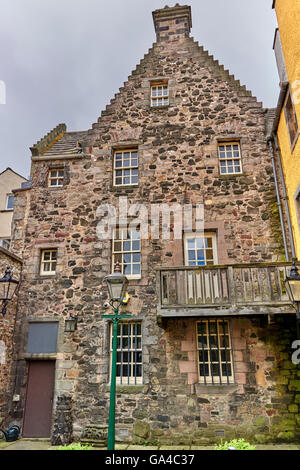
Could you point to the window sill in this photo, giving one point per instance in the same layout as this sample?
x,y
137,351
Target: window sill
x,y
125,186
215,389
128,389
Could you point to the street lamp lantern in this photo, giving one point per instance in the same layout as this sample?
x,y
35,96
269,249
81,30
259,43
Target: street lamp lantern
x,y
292,285
8,286
117,285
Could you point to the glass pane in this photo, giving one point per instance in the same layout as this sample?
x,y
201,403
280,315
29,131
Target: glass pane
x,y
136,269
201,328
200,243
213,342
137,370
214,356
212,328
203,370
191,255
126,246
215,370
127,270
126,180
127,258
226,370
118,180
225,355
137,356
202,342
191,243
134,180
136,246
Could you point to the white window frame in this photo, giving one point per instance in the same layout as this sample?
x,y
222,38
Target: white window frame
x,y
156,96
123,169
204,236
52,262
58,179
127,248
220,379
224,159
8,196
131,349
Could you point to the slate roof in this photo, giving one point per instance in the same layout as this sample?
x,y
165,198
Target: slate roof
x,y
66,145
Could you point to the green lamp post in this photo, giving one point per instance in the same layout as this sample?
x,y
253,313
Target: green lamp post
x,y
117,284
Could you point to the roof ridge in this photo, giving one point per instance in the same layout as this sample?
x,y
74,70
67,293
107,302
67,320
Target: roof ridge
x,y
210,62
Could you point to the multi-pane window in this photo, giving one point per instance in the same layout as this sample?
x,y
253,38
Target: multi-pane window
x,y
201,250
159,95
291,120
129,353
214,352
127,251
48,262
9,202
126,167
56,177
230,158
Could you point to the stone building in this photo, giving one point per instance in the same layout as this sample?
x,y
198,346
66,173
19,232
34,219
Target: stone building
x,y
207,351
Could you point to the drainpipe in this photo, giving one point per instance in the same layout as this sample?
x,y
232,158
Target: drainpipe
x,y
278,199
285,197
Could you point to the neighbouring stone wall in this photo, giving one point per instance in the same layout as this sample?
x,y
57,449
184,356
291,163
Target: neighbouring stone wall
x,y
7,329
62,433
178,163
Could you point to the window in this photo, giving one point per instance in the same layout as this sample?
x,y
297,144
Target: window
x,y
127,250
129,353
201,250
56,177
159,94
10,202
291,120
126,167
5,243
280,57
48,262
230,158
42,338
214,352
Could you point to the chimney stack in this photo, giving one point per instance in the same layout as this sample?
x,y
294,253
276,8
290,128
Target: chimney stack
x,y
172,23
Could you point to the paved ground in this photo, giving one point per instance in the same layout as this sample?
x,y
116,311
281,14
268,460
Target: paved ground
x,y
44,444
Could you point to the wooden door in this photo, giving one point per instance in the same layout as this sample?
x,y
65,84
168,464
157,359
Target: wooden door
x,y
39,399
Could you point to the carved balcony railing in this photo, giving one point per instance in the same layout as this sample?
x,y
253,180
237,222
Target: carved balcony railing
x,y
240,289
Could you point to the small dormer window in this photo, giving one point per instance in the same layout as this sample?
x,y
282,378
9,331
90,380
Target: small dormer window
x,y
159,94
56,178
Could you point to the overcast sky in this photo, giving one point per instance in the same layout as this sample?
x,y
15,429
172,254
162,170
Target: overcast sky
x,y
63,60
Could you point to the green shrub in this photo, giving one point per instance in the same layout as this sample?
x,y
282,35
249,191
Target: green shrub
x,y
76,446
238,444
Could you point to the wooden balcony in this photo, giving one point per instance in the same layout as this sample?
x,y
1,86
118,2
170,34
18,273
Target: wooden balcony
x,y
239,289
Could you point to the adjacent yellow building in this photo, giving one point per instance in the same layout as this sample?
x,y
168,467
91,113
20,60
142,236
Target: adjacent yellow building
x,y
287,121
9,180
